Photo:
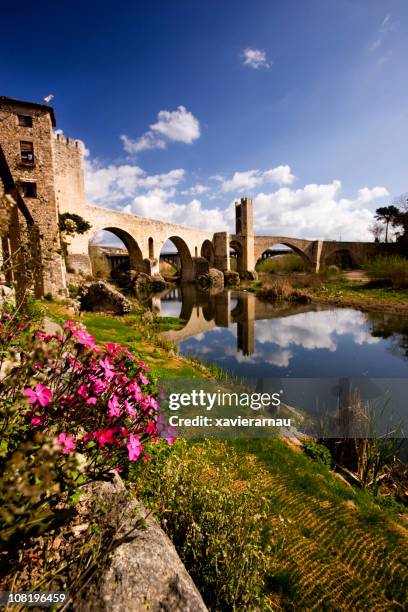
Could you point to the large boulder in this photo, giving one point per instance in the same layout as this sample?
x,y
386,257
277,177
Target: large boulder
x,y
145,283
250,275
231,278
143,571
213,279
102,297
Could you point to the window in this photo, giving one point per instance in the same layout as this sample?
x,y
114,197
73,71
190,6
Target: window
x,y
27,152
25,120
29,189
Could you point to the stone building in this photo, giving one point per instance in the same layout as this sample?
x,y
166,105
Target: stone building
x,y
31,156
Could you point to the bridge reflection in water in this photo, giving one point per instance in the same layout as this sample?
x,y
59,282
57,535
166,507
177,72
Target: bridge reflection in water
x,y
203,311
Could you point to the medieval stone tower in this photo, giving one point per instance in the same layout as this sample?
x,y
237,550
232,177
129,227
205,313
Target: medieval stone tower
x,y
47,170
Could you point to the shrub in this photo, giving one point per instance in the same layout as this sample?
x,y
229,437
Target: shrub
x,y
282,289
392,269
70,412
317,452
220,533
282,263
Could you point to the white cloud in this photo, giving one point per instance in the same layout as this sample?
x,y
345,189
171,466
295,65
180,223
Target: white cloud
x,y
196,190
312,211
316,211
255,58
112,185
248,180
159,204
171,126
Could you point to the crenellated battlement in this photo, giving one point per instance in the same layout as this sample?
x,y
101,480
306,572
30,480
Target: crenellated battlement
x,y
67,141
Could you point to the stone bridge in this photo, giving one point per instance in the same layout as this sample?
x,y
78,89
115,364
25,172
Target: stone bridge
x,y
198,250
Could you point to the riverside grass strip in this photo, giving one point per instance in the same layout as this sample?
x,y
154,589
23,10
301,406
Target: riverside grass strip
x,y
333,547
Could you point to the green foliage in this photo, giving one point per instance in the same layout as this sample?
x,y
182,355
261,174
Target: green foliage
x,y
221,533
317,452
284,264
34,478
71,223
73,291
392,269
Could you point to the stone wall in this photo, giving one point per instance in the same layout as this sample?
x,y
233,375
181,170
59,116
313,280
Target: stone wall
x,y
69,173
43,207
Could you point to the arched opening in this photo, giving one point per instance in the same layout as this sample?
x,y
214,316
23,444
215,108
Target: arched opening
x,y
207,251
236,259
113,250
342,258
282,258
176,262
151,248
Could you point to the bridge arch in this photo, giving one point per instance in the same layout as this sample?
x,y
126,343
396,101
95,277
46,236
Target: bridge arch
x,y
261,246
186,260
207,251
236,246
341,256
136,261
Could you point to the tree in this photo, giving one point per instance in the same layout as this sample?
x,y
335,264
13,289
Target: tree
x,y
71,223
377,230
387,215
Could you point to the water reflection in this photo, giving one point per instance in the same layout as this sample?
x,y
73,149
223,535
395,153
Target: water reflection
x,y
255,338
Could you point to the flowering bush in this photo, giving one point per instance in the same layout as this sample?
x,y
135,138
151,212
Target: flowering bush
x,y
70,412
97,401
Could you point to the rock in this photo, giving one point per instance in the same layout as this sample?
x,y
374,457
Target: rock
x,y
7,295
157,283
231,278
250,275
51,327
213,279
102,297
143,571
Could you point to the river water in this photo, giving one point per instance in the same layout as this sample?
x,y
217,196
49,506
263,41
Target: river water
x,y
256,340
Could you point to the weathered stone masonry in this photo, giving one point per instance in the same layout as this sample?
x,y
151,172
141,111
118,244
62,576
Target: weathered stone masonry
x,y
35,176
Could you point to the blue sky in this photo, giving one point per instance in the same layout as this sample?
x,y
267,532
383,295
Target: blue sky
x,y
302,105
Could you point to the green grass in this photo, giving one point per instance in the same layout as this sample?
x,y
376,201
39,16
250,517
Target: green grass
x,y
329,547
362,291
392,269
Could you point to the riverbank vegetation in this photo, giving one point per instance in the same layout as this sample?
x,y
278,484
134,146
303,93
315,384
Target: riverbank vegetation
x,y
381,286
261,526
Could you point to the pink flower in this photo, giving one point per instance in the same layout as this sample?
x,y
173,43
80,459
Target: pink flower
x,y
108,369
114,407
66,442
105,436
143,379
150,428
83,337
134,447
91,401
36,420
98,386
83,390
130,409
40,394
